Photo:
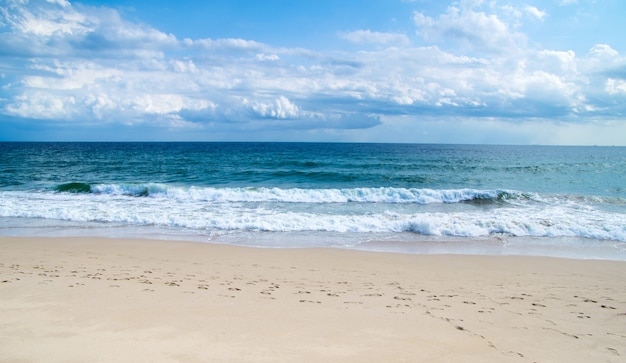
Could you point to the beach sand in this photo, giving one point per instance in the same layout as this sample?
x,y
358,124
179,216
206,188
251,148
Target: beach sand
x,y
120,300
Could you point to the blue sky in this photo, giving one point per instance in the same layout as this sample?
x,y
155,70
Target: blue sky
x,y
426,71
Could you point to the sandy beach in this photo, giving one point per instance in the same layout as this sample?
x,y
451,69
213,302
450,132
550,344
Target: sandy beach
x,y
121,300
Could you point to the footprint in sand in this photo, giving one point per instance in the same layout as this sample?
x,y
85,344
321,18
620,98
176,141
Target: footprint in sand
x,y
402,298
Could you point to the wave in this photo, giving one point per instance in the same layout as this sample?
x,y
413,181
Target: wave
x,y
449,212
73,188
298,195
563,219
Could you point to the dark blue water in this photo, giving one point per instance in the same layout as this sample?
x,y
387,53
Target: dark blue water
x,y
599,171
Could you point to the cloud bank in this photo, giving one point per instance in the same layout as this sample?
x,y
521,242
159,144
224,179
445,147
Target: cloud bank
x,y
73,65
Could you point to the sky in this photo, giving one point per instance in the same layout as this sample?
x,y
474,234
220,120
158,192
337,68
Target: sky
x,y
547,72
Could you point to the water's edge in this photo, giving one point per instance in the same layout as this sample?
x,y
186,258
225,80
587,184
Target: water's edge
x,y
406,243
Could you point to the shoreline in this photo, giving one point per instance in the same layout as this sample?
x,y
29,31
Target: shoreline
x,y
402,243
112,299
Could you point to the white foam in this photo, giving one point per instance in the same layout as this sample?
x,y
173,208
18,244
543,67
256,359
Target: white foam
x,y
297,195
252,209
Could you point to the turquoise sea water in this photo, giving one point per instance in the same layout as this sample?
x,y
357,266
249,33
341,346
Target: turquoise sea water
x,y
565,201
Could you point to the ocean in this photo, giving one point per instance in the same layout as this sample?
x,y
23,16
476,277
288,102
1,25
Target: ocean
x,y
409,198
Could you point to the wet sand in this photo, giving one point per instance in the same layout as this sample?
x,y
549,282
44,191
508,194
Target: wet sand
x,y
116,300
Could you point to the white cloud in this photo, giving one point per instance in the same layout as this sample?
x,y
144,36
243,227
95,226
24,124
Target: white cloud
x,y
614,86
230,43
556,62
183,65
280,108
63,3
158,103
603,50
41,105
368,36
82,64
533,11
267,57
46,20
466,23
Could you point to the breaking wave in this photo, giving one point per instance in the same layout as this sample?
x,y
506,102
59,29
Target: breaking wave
x,y
453,212
298,195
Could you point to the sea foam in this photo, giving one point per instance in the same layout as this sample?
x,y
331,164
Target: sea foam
x,y
297,195
460,212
